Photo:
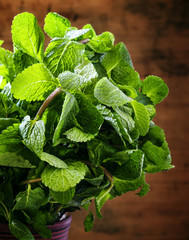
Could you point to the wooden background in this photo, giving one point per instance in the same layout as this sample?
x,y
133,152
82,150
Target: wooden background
x,y
156,33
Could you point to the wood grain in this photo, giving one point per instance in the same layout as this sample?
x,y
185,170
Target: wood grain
x,y
157,36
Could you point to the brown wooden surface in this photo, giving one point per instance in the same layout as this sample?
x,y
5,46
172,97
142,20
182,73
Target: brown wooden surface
x,y
156,33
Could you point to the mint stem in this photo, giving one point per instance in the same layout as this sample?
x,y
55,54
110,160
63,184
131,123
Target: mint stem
x,y
29,181
47,101
84,41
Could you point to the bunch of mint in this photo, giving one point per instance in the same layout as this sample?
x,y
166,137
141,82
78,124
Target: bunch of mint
x,y
75,124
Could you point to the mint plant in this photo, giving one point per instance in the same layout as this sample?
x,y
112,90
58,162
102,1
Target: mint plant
x,y
75,124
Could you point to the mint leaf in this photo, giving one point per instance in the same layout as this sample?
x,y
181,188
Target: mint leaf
x,y
113,120
62,55
28,36
83,75
67,119
102,43
33,134
60,180
9,159
5,122
10,135
110,95
125,117
56,25
151,110
6,67
117,55
98,151
72,81
157,154
128,90
40,221
19,230
86,69
88,223
22,60
89,118
155,88
34,83
129,164
124,186
30,199
144,190
78,34
100,200
53,160
63,197
126,75
77,135
156,158
141,117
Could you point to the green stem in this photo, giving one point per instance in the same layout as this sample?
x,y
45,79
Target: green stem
x,y
31,181
6,211
47,101
84,41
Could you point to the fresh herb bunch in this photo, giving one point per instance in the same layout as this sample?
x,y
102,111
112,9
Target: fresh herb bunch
x,y
75,122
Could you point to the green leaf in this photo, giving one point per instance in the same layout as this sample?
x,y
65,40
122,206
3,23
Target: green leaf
x,y
77,135
141,117
78,35
20,231
129,164
100,201
144,190
1,42
40,221
110,95
125,116
96,177
118,55
22,60
5,122
6,57
112,119
27,35
89,118
10,135
86,69
155,88
6,67
63,55
63,197
30,200
68,116
9,159
56,25
72,81
126,75
88,223
53,160
34,83
128,90
102,43
151,110
98,151
124,186
33,134
157,154
60,180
